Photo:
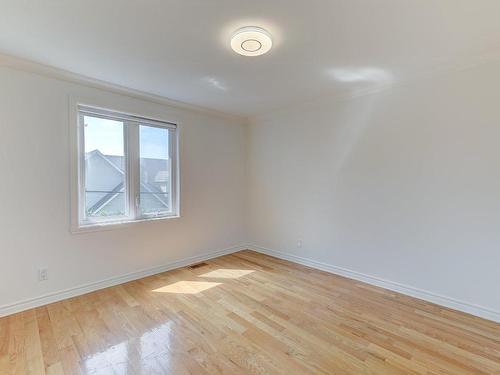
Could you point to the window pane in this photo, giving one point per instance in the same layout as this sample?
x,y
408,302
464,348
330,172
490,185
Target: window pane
x,y
155,167
105,186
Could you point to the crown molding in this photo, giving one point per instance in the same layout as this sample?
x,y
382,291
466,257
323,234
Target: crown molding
x,y
29,66
435,71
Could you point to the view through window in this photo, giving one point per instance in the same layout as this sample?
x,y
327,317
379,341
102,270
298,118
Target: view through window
x,y
128,167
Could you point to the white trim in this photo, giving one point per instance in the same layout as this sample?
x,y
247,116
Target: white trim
x,y
106,113
91,287
102,108
449,302
432,72
480,311
75,143
30,66
175,168
118,224
132,168
25,65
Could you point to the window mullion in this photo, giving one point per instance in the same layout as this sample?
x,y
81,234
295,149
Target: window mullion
x,y
173,179
109,185
81,168
133,168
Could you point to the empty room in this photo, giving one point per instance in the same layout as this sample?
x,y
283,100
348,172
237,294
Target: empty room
x,y
250,187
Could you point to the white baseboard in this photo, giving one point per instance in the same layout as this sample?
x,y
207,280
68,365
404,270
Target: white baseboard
x,y
91,287
449,302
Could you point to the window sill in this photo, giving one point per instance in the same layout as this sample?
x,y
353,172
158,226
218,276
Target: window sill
x,y
98,227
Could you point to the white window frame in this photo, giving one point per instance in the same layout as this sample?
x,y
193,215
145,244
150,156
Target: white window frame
x,y
79,221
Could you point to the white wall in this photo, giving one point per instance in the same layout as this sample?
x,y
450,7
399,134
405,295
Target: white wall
x,y
35,188
402,185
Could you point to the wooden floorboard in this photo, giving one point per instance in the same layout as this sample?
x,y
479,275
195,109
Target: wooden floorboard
x,y
247,313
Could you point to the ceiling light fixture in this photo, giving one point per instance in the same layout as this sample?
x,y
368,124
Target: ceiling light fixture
x,y
251,41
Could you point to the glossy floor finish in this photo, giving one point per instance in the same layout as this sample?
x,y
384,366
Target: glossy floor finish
x,y
247,313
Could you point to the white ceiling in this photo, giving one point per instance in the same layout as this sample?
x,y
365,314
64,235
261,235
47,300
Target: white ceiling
x,y
179,49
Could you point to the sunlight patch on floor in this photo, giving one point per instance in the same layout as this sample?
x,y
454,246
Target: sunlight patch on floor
x,y
227,273
186,287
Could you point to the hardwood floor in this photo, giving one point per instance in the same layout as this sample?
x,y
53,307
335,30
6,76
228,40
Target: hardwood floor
x,y
247,313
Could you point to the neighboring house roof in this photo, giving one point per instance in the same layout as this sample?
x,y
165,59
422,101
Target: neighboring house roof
x,y
117,161
107,199
154,176
161,176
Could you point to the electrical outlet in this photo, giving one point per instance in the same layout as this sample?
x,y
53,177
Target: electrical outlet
x,y
299,243
43,274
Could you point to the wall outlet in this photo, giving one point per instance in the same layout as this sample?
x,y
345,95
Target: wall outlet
x,y
299,243
43,274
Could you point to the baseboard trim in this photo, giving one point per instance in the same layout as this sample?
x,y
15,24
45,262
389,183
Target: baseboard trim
x,y
438,299
91,287
425,295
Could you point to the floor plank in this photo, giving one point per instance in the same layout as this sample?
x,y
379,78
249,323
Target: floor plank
x,y
247,313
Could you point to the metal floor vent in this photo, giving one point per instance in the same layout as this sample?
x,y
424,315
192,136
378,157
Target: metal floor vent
x,y
197,265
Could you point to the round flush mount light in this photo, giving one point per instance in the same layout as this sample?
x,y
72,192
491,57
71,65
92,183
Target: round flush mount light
x,y
251,41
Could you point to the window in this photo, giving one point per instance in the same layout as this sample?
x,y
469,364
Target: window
x,y
127,168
